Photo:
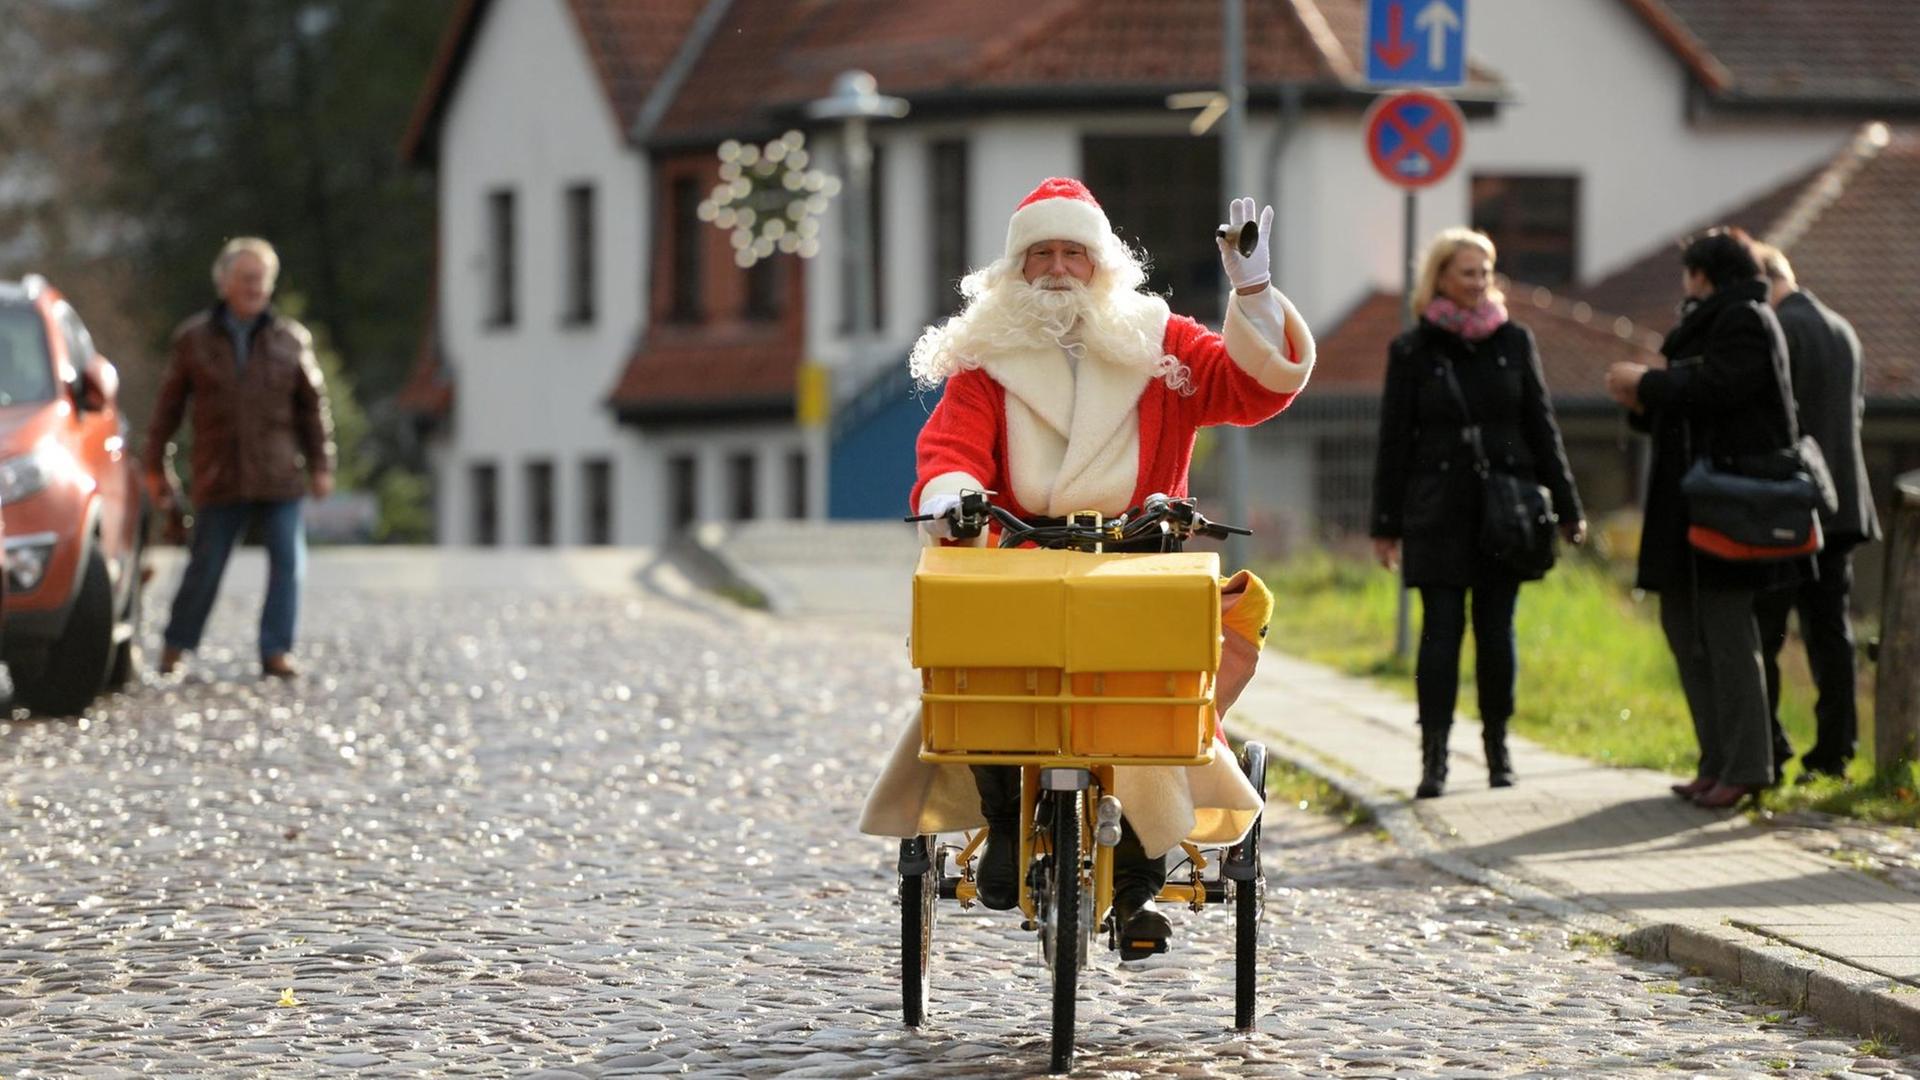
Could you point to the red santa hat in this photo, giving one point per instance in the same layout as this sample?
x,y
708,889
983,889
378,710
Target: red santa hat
x,y
1061,208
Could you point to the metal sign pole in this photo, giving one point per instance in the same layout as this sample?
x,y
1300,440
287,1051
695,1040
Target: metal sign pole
x,y
1403,617
1233,439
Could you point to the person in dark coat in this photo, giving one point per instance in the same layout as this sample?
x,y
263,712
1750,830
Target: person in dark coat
x,y
1426,495
1824,355
1724,393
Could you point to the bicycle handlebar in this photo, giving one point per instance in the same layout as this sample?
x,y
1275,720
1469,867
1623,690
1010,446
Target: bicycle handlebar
x,y
1175,520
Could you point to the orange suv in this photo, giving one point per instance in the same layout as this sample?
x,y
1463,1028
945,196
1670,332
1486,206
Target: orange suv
x,y
73,506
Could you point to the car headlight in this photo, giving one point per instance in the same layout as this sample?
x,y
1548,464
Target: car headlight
x,y
29,473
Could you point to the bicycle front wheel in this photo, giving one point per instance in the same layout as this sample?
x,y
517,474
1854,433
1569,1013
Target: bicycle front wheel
x,y
1063,924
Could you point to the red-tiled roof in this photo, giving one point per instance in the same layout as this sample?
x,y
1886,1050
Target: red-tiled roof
x,y
1576,345
428,392
631,43
1847,228
1795,53
1851,243
1062,48
708,370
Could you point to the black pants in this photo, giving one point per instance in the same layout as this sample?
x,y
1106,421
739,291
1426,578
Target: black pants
x,y
1443,621
1826,626
1716,645
1134,871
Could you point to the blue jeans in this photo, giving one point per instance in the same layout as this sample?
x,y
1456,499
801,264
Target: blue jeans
x,y
1443,621
215,530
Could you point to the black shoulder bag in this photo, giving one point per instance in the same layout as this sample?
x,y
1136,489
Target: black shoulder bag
x,y
1760,507
1517,521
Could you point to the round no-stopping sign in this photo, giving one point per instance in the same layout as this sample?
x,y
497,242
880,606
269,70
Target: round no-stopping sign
x,y
1415,138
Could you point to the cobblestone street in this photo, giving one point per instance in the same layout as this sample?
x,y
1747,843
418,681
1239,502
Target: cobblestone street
x,y
512,830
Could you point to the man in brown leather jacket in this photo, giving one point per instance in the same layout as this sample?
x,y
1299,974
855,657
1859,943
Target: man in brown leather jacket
x,y
262,439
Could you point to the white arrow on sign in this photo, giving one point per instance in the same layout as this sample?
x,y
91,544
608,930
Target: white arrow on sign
x,y
1438,20
1416,165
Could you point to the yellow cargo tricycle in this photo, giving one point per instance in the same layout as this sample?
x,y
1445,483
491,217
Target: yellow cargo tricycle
x,y
1077,647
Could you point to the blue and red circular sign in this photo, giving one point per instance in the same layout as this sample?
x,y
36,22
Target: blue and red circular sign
x,y
1415,138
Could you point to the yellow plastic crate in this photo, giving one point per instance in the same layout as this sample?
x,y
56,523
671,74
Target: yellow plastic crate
x,y
1051,654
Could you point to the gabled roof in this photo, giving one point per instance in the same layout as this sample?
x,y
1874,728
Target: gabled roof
x,y
700,372
1830,55
1576,344
1847,228
984,52
764,59
631,43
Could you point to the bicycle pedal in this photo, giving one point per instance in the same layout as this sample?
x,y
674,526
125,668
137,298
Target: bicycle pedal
x,y
1141,948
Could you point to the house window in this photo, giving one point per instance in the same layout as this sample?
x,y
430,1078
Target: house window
x,y
596,483
683,491
486,503
500,230
1534,222
742,485
685,196
580,284
797,484
949,247
764,281
540,503
1162,194
876,215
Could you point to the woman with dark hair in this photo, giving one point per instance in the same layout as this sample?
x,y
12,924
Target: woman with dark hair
x,y
1464,366
1724,393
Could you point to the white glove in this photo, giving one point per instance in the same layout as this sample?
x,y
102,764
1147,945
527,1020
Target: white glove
x,y
940,527
1245,271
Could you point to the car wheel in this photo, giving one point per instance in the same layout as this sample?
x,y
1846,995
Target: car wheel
x,y
81,655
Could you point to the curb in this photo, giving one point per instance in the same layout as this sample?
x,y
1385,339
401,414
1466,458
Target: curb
x,y
1833,992
702,558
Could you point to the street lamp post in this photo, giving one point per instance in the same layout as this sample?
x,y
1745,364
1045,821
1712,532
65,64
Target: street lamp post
x,y
1234,439
856,100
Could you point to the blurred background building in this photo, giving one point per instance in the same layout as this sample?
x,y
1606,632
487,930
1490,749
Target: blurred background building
x,y
601,370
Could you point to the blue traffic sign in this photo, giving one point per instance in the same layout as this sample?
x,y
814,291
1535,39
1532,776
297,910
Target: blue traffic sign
x,y
1417,42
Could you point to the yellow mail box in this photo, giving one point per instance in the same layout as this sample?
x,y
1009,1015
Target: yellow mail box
x,y
1058,653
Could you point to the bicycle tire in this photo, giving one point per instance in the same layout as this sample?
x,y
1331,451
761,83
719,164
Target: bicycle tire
x,y
1247,905
1063,898
917,895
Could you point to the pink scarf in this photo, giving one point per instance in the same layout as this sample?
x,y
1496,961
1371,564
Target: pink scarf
x,y
1475,324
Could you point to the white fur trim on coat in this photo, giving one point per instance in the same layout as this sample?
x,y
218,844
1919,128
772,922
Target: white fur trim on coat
x,y
1257,332
1206,804
1073,432
1057,219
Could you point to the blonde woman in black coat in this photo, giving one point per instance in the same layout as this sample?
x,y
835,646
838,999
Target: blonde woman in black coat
x,y
1426,495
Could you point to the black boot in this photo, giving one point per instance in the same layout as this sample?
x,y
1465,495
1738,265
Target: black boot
x,y
997,872
1433,761
1493,739
1137,878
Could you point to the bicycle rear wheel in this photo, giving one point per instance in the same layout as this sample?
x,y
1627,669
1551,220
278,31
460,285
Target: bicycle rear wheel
x,y
1063,923
919,888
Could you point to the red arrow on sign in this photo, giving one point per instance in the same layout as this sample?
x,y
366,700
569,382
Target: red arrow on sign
x,y
1396,50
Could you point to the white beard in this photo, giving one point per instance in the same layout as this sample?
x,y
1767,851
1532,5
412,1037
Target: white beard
x,y
1009,316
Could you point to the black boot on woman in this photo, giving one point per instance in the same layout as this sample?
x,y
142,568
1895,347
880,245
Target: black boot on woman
x,y
1493,739
1433,761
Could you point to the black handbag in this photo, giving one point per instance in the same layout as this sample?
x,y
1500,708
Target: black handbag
x,y
1760,507
1517,522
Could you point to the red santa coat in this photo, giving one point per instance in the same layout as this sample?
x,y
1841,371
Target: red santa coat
x,y
1052,438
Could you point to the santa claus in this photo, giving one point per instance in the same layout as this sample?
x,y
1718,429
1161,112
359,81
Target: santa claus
x,y
1070,388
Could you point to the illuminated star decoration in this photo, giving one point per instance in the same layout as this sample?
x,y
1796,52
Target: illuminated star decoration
x,y
768,200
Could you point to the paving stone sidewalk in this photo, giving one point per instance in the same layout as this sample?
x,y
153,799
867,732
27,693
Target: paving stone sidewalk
x,y
1615,849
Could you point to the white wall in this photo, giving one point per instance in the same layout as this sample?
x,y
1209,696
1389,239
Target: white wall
x,y
529,114
1598,95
